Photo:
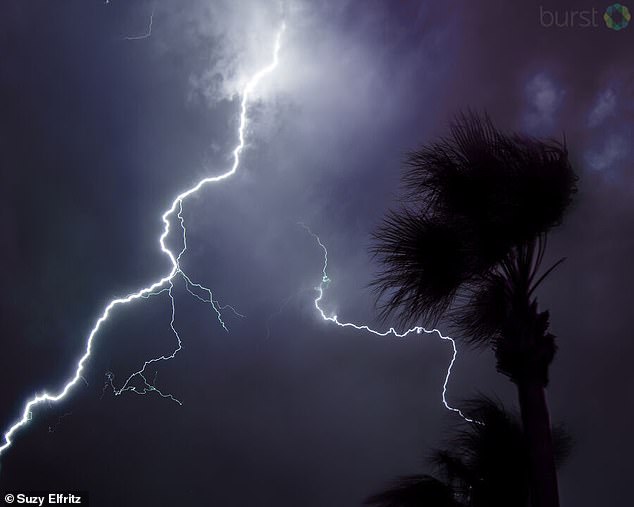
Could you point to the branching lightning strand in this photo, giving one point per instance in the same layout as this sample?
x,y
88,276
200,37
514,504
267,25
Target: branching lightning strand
x,y
323,285
163,285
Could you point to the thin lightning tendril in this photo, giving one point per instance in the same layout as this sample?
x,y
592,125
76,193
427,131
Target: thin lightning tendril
x,y
279,311
323,285
163,285
148,33
53,427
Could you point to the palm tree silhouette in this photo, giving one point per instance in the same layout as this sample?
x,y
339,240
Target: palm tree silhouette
x,y
468,244
483,466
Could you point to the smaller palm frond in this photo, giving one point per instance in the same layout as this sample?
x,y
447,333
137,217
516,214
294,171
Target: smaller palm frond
x,y
480,465
423,265
415,491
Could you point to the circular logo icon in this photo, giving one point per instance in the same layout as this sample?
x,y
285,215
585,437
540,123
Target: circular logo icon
x,y
617,17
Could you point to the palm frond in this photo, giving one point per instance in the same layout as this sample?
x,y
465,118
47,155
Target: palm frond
x,y
415,491
423,264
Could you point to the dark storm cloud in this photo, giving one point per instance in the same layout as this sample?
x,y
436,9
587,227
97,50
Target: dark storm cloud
x,y
99,133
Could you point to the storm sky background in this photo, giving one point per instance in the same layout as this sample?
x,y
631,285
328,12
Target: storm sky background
x,y
99,133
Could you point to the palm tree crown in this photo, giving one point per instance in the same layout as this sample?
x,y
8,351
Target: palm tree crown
x,y
468,244
470,237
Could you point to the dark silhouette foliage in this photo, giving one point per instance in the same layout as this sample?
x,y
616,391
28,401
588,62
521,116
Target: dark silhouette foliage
x,y
416,491
482,465
468,244
473,201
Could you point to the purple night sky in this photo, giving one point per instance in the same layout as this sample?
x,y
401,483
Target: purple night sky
x,y
98,133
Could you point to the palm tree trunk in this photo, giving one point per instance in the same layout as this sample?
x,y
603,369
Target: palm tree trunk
x,y
537,429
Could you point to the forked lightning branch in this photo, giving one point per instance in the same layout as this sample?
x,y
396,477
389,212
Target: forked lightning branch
x,y
163,285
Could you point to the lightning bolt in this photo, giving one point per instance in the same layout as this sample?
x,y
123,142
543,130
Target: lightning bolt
x,y
148,33
323,285
161,286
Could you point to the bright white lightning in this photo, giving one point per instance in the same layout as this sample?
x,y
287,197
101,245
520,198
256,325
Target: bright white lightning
x,y
164,284
323,284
